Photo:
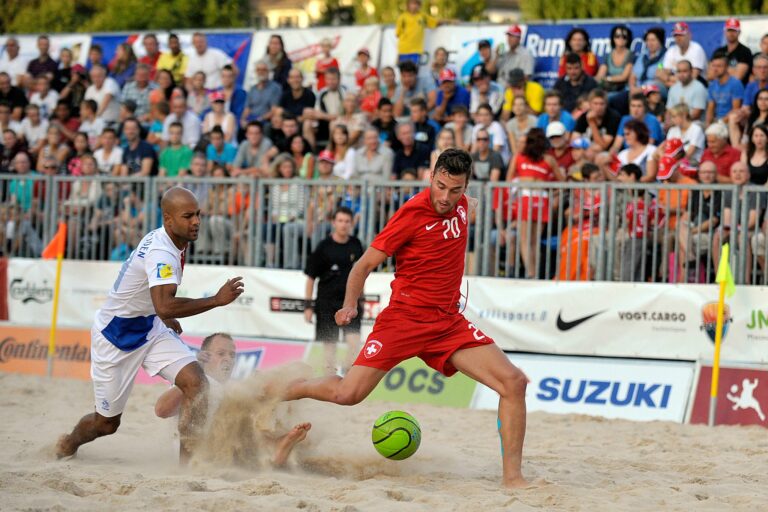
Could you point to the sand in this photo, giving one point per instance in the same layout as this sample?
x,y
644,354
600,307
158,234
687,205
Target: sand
x,y
585,463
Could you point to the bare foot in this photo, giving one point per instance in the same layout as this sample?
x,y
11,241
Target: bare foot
x,y
64,447
286,443
517,483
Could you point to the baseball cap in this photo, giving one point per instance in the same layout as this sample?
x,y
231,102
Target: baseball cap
x,y
516,77
447,75
580,143
326,156
484,43
216,96
733,24
672,147
364,51
667,166
650,88
514,30
478,72
555,129
686,168
78,68
681,28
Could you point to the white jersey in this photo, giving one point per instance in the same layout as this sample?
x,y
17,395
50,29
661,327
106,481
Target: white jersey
x,y
128,318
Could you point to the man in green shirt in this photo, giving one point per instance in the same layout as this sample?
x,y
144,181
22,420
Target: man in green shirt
x,y
176,156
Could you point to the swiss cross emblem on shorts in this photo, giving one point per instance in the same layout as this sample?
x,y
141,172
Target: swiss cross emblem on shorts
x,y
462,214
372,348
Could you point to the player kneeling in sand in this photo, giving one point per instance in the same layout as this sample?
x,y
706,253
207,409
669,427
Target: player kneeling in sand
x,y
217,357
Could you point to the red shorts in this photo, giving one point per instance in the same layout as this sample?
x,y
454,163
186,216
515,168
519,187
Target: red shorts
x,y
403,331
532,208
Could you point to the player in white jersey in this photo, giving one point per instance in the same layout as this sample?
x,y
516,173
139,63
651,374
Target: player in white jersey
x,y
137,327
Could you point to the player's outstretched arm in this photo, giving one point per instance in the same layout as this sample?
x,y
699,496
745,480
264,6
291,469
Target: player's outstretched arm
x,y
371,259
169,402
167,305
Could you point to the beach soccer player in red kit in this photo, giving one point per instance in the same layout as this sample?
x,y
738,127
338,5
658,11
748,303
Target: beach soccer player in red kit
x,y
428,238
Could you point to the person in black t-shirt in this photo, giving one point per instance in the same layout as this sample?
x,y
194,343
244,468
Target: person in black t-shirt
x,y
330,263
297,98
739,55
600,123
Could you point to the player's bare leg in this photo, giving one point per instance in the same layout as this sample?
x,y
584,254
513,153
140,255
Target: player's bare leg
x,y
194,407
286,443
349,390
90,427
488,365
353,348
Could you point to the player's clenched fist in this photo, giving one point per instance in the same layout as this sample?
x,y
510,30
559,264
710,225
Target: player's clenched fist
x,y
345,315
231,290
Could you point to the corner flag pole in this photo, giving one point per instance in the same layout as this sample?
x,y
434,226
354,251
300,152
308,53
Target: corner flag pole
x,y
55,248
725,278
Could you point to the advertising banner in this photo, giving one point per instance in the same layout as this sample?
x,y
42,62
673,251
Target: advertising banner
x,y
25,350
742,396
612,388
78,43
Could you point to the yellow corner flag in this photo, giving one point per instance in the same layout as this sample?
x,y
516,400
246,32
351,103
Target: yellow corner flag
x,y
724,274
55,249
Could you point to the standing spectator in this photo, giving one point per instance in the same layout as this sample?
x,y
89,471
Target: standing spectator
x,y
323,63
219,151
190,122
248,161
689,91
553,111
219,116
91,125
484,90
449,96
123,66
109,157
263,96
234,97
684,48
487,164
613,74
516,57
64,71
575,82
639,149
485,120
411,155
278,61
297,98
95,57
44,97
13,63
176,158
638,110
105,92
151,55
374,159
208,60
600,123
409,30
725,91
519,126
364,70
33,129
65,121
439,63
424,129
719,151
577,41
74,90
411,86
139,158
43,64
174,60
13,96
197,95
739,56
139,90
528,89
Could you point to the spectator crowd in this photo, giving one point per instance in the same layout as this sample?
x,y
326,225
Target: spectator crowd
x,y
663,115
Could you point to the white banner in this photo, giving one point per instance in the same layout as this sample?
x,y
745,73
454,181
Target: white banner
x,y
612,388
303,47
78,43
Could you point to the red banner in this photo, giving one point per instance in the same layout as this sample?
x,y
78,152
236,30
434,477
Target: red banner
x,y
742,396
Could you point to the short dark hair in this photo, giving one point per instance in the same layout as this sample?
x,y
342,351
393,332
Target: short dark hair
x,y
588,169
572,58
455,162
658,32
641,130
109,130
96,47
536,144
632,170
408,67
598,93
288,116
639,96
209,339
228,67
217,130
333,71
91,104
485,106
553,94
384,101
719,55
256,124
343,210
419,102
460,109
132,120
177,124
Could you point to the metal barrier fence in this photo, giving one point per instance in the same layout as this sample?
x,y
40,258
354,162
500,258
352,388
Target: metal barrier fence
x,y
554,231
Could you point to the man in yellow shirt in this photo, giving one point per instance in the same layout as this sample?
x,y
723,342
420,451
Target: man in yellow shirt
x,y
409,30
174,60
530,90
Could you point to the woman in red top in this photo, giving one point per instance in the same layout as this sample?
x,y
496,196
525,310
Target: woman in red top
x,y
324,63
577,41
532,205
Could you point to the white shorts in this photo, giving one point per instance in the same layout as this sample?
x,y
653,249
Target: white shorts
x,y
113,370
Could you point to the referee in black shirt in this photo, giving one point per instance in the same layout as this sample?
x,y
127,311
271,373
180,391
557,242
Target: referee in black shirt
x,y
330,263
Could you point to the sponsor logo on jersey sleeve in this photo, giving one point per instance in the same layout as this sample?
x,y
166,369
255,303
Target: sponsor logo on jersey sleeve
x,y
164,271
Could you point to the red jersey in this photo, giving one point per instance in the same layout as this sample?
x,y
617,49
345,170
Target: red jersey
x,y
564,160
640,217
724,160
361,76
539,170
320,67
429,251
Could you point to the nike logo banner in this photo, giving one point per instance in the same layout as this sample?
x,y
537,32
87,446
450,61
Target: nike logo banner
x,y
567,326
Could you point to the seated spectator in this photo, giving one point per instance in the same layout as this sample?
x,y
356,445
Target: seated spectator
x,y
343,152
758,115
385,123
425,129
95,57
370,96
516,56
486,58
198,100
176,157
219,152
756,155
411,87
581,154
718,151
753,107
297,99
127,111
352,118
449,96
165,90
181,114
139,158
198,168
600,123
105,91
83,196
520,87
412,154
123,65
289,126
374,160
575,82
44,97
683,49
760,82
263,96
439,63
250,154
323,63
639,147
725,91
44,63
689,91
613,74
462,128
157,115
690,133
63,119
559,145
138,91
700,221
519,126
655,103
234,97
499,143
364,70
673,201
33,129
729,222
53,149
646,70
487,164
21,191
219,116
210,61
553,111
109,157
277,60
74,91
389,87
80,148
445,139
739,56
12,145
13,62
151,55
6,123
301,152
484,90
577,42
174,61
13,96
638,111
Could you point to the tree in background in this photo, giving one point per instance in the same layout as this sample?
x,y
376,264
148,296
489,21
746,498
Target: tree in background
x,y
387,11
584,9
